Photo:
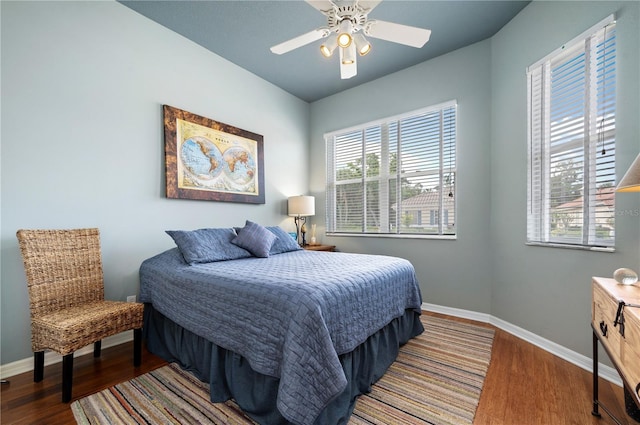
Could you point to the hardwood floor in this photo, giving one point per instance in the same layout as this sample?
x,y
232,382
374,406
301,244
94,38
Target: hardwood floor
x,y
525,385
28,402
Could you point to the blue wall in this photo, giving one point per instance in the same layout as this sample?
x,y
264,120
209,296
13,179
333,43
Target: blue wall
x,y
548,290
489,269
452,273
83,84
82,145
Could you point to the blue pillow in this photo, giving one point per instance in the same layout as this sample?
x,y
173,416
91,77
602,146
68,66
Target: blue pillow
x,y
284,241
207,245
255,238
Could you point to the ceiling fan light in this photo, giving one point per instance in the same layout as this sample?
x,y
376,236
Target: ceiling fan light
x,y
348,55
364,50
348,66
344,40
344,37
362,44
329,46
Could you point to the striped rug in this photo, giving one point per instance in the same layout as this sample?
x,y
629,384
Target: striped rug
x,y
436,379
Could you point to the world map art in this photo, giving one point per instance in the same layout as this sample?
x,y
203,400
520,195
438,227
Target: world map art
x,y
212,160
209,160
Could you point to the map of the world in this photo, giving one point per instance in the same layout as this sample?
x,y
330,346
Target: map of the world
x,y
216,161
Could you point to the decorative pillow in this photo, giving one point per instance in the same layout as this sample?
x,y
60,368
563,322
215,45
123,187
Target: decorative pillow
x,y
207,245
255,238
284,241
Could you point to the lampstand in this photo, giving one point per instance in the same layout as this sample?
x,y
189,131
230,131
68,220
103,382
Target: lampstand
x,y
303,228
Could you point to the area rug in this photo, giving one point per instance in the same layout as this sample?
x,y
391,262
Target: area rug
x,y
436,379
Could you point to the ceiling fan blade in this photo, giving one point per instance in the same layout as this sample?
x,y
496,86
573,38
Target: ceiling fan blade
x,y
321,5
300,41
368,4
397,33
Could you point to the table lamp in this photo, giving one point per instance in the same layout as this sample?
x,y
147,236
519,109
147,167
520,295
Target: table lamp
x,y
631,180
300,207
629,183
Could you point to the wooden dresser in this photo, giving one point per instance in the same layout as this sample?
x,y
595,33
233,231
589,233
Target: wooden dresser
x,y
615,319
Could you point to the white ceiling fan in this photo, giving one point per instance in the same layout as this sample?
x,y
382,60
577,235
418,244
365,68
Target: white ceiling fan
x,y
347,25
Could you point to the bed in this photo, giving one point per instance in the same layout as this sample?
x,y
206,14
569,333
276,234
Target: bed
x,y
292,335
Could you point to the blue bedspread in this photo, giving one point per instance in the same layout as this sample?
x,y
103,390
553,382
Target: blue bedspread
x,y
290,315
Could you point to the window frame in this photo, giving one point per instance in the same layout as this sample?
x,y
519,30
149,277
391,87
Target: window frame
x,y
447,166
596,130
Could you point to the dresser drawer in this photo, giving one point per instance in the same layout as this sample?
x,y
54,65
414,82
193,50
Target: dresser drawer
x,y
631,369
603,316
623,349
630,349
632,331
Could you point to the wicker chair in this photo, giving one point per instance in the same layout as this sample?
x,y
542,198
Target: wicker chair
x,y
66,298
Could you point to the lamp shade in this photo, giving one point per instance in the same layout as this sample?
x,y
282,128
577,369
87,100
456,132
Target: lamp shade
x,y
631,180
301,206
344,37
329,46
362,44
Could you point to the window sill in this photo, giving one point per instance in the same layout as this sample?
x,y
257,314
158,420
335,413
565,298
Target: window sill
x,y
578,247
394,236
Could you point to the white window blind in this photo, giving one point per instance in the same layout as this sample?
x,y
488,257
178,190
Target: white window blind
x,y
395,176
571,137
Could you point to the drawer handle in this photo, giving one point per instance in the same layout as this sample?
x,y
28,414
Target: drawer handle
x,y
620,318
603,328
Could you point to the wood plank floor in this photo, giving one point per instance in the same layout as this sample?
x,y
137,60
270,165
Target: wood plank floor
x,y
524,385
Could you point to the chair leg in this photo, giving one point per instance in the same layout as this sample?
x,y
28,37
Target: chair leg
x,y
67,377
38,366
137,347
97,347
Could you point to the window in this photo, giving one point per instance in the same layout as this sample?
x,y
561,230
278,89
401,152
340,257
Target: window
x,y
571,137
395,176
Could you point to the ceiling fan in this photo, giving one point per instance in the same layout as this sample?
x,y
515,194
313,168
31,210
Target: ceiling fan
x,y
347,24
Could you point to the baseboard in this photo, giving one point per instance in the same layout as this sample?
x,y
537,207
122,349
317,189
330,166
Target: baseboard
x,y
456,312
584,362
50,357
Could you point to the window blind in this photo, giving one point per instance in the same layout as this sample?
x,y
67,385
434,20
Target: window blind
x,y
395,176
571,138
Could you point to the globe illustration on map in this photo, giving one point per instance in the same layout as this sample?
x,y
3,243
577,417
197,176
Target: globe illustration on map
x,y
239,167
201,158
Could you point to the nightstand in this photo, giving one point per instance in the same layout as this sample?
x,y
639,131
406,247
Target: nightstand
x,y
330,248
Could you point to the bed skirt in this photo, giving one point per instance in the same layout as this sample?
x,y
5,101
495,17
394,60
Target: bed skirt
x,y
231,376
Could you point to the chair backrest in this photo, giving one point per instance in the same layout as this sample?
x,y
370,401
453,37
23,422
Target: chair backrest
x,y
63,268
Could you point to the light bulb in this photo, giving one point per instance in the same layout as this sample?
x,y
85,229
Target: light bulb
x,y
344,37
329,46
348,55
363,45
344,40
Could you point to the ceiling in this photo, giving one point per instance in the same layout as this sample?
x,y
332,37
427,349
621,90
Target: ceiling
x,y
242,32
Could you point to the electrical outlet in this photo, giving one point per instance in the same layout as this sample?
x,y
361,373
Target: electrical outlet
x,y
131,299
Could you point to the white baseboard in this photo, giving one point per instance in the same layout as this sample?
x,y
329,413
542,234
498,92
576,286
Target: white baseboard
x,y
584,362
50,357
604,371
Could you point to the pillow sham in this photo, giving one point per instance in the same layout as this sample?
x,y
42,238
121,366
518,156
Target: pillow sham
x,y
283,243
255,238
207,245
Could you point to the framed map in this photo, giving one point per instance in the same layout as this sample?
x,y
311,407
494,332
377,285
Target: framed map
x,y
212,161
